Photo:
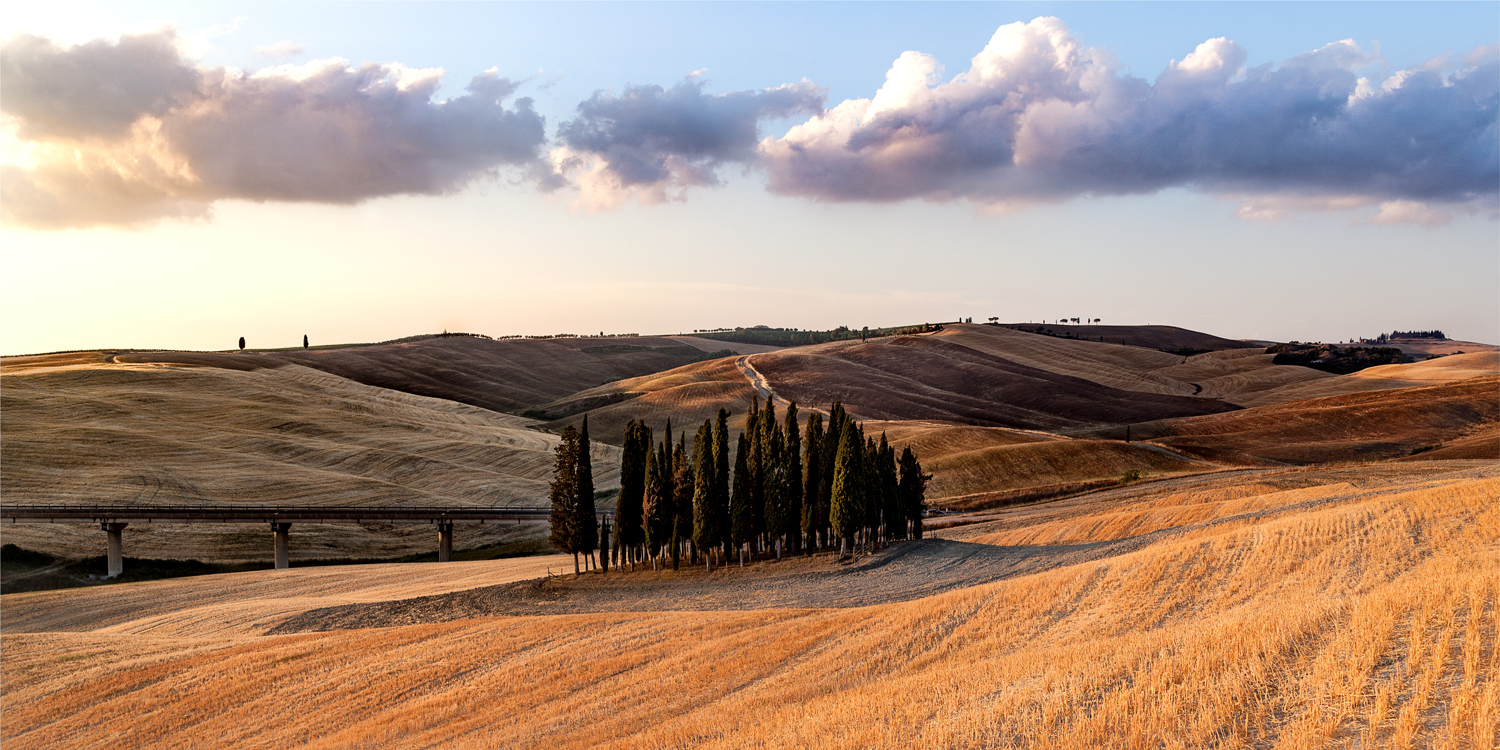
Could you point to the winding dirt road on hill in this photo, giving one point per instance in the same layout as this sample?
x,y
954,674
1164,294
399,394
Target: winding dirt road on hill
x,y
757,381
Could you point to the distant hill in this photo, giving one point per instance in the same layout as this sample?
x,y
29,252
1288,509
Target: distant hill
x,y
508,375
956,375
1164,338
86,433
1373,425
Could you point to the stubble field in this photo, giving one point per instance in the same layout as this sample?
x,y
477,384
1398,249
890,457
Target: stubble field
x,y
1348,606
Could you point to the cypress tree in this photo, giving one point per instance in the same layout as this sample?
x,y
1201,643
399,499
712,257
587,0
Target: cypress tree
x,y
756,466
658,498
564,495
792,485
630,508
892,514
682,498
913,490
741,523
667,510
705,533
604,546
721,479
812,481
586,527
846,513
773,479
832,437
871,479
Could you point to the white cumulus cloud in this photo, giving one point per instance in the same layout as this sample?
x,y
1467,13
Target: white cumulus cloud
x,y
1039,117
127,132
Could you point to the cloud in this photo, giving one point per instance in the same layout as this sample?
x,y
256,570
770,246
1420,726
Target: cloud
x,y
132,133
282,50
1037,117
93,90
652,143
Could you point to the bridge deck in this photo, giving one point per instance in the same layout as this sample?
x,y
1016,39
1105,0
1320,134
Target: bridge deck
x,y
264,514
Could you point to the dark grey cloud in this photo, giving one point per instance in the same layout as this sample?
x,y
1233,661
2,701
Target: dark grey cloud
x,y
651,139
166,139
1040,118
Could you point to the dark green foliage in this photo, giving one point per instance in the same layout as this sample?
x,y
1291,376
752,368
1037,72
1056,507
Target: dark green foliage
x,y
682,498
832,436
705,517
847,510
720,497
793,337
1330,358
871,480
564,495
10,554
741,519
891,513
774,516
242,343
586,525
792,480
304,341
814,519
629,509
1438,335
604,545
913,490
658,512
757,468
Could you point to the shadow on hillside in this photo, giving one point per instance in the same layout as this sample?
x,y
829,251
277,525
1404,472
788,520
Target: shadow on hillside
x,y
905,571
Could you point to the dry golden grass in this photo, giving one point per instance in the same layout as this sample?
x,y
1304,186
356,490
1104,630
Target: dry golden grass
x,y
245,604
1129,368
1043,464
95,433
1361,619
1382,424
1448,369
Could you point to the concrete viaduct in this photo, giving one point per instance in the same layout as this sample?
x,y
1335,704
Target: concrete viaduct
x,y
114,518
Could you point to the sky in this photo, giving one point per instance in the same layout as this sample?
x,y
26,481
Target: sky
x,y
178,175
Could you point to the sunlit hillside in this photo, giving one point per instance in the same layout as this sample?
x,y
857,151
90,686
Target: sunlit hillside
x,y
1342,607
98,433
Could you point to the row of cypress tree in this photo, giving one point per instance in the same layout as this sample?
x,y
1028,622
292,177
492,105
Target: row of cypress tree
x,y
785,494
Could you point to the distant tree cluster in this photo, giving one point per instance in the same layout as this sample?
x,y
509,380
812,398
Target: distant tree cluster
x,y
1418,335
443,335
765,336
792,487
1331,358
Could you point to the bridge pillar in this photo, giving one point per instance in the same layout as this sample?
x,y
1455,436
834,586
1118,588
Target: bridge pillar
x,y
445,541
116,547
283,555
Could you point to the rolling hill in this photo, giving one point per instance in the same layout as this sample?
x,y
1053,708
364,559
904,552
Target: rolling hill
x,y
1264,608
506,375
84,432
1364,426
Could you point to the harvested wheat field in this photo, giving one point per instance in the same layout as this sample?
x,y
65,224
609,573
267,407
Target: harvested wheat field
x,y
1346,606
81,431
1380,424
